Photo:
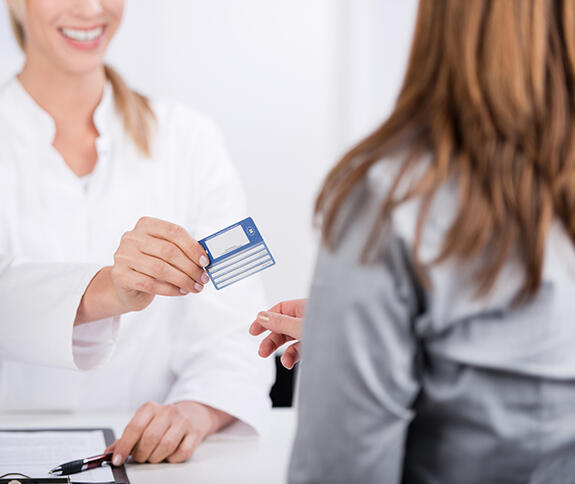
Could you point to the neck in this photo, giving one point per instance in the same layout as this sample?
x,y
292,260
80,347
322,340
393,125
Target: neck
x,y
63,95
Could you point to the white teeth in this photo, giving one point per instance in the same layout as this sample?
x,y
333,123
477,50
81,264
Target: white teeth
x,y
83,35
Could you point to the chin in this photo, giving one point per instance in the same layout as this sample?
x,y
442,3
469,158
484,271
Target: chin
x,y
82,66
80,58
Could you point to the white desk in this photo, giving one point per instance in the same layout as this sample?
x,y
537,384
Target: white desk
x,y
216,461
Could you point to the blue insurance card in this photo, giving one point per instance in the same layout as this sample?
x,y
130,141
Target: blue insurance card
x,y
235,253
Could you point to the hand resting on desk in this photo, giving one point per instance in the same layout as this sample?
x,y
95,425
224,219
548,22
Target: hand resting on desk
x,y
169,433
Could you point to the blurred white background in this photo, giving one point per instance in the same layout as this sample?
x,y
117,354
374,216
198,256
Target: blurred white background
x,y
292,83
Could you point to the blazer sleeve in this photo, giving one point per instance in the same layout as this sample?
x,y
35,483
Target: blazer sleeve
x,y
358,372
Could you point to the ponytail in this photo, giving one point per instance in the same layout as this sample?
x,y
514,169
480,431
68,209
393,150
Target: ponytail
x,y
137,114
18,29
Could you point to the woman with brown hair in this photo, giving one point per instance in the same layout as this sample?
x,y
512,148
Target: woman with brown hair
x,y
83,159
439,337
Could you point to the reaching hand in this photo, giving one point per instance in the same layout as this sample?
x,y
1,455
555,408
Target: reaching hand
x,y
157,258
285,322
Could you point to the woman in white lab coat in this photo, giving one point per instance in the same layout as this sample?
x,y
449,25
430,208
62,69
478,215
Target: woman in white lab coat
x,y
90,173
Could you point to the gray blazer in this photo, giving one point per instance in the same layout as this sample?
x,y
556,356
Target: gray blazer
x,y
401,384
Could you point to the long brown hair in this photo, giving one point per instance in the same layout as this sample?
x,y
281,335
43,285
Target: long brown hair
x,y
137,114
489,92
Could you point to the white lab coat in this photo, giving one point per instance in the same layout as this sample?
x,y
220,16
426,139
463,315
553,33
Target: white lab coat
x,y
195,347
43,282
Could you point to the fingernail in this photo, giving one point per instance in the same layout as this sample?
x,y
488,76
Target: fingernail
x,y
183,293
285,364
204,261
205,278
198,287
117,460
263,316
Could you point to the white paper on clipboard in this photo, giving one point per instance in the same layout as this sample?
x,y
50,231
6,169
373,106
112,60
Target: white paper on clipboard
x,y
35,453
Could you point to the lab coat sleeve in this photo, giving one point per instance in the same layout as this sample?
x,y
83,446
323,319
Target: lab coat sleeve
x,y
37,311
358,376
216,359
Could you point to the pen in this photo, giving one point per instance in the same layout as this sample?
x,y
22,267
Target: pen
x,y
81,465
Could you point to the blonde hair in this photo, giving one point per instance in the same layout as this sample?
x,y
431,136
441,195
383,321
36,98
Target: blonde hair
x,y
135,109
489,92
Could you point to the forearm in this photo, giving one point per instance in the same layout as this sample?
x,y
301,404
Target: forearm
x,y
100,300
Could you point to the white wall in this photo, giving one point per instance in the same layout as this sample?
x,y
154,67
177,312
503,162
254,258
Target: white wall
x,y
378,40
291,83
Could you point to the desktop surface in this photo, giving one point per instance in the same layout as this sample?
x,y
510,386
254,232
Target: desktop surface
x,y
218,460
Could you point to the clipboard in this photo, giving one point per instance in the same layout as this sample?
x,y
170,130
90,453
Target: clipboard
x,y
119,473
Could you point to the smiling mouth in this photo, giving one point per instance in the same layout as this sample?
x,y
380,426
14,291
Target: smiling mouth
x,y
82,35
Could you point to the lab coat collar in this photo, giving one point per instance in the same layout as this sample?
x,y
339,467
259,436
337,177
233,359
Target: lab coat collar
x,y
105,118
105,112
30,120
36,125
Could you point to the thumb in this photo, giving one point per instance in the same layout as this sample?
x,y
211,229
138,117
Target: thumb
x,y
280,323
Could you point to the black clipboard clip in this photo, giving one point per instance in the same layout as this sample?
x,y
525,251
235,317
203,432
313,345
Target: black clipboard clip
x,y
16,478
